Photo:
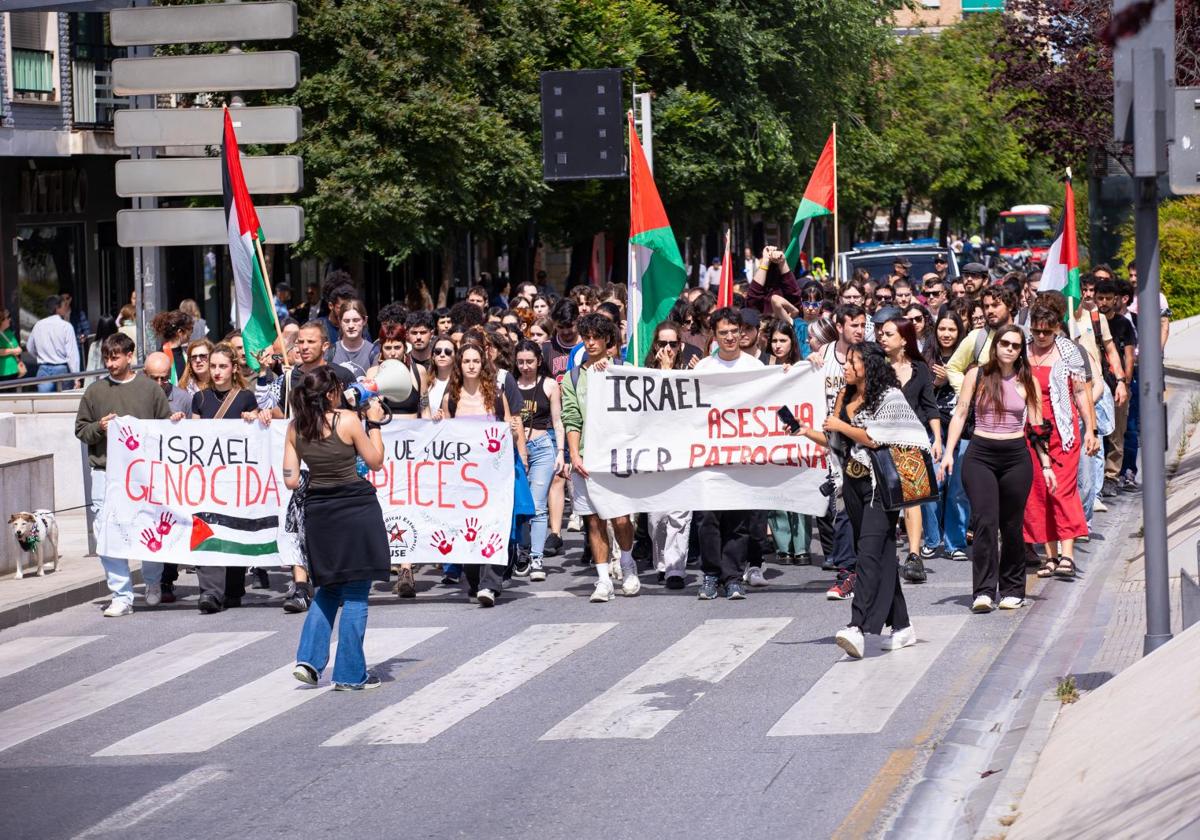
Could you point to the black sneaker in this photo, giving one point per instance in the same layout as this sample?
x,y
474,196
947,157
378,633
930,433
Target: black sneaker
x,y
306,673
734,591
168,593
261,579
1109,490
298,597
928,553
372,681
827,565
521,564
1127,483
232,602
553,547
450,580
802,559
914,569
209,604
675,582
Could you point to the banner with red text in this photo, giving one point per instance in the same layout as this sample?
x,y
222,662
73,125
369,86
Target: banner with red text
x,y
446,490
194,492
658,440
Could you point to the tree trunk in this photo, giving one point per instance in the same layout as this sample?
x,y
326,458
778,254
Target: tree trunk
x,y
447,278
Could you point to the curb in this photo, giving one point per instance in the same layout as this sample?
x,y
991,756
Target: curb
x,y
52,602
1181,372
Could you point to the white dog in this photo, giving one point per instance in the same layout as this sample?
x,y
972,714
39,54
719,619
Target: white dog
x,y
36,533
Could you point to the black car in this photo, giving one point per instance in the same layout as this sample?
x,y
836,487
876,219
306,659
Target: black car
x,y
879,258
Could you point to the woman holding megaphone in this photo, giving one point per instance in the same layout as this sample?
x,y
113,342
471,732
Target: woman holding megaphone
x,y
391,381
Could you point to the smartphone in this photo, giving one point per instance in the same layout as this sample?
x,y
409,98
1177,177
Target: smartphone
x,y
788,419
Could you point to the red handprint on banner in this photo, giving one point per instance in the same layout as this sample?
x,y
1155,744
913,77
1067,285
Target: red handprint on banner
x,y
494,542
438,540
165,523
472,529
127,437
494,436
151,540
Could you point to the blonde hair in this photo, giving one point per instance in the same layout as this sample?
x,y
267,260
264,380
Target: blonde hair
x,y
189,306
185,381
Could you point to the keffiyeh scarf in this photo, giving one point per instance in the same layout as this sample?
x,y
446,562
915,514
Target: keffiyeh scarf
x,y
1067,370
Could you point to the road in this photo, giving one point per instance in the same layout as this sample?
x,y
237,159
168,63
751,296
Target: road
x,y
545,717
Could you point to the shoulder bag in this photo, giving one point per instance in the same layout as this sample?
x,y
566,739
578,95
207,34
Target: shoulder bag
x,y
904,476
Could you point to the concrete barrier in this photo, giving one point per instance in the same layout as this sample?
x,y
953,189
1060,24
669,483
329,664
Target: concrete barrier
x,y
46,423
26,483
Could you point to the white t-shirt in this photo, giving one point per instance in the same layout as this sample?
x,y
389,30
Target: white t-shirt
x,y
833,372
743,362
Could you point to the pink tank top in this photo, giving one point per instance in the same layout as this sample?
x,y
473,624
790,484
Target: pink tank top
x,y
1011,417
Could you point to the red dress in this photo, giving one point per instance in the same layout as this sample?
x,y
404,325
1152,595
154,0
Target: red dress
x,y
1057,516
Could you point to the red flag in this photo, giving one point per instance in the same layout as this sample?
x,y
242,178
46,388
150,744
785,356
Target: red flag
x,y
725,290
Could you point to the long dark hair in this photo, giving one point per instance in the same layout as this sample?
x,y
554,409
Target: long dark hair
x,y
310,402
989,381
933,350
909,333
527,346
877,372
651,360
784,328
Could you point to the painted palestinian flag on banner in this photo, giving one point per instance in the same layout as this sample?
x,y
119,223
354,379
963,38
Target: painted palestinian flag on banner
x,y
220,533
253,307
1061,273
656,271
820,199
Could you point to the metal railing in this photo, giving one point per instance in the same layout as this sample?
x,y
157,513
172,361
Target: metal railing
x,y
26,381
93,101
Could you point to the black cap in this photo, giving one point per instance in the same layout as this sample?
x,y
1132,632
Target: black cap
x,y
751,318
282,287
940,258
974,268
886,313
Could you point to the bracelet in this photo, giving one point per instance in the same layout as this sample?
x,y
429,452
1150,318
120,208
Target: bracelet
x,y
1046,467
764,266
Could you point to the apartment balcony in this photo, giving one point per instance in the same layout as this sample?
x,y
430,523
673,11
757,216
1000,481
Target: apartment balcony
x,y
93,102
33,76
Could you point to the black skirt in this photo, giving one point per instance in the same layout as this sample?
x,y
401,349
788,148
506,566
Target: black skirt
x,y
344,534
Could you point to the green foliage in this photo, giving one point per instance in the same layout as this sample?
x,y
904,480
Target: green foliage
x,y
1179,253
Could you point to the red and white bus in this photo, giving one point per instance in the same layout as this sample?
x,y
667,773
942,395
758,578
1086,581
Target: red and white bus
x,y
1026,227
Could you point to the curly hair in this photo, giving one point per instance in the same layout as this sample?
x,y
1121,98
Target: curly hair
x,y
878,374
487,375
172,325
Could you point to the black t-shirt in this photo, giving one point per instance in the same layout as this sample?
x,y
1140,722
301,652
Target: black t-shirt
x,y
207,403
1123,336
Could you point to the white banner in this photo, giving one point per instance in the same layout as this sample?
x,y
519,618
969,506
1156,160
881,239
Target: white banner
x,y
195,492
680,440
446,490
210,492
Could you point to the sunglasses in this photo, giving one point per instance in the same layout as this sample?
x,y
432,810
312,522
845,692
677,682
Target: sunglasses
x,y
160,379
917,319
935,292
1044,332
443,351
668,343
1011,345
811,304
196,357
884,298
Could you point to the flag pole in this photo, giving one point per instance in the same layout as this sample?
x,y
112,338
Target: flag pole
x,y
634,311
837,273
1072,327
262,263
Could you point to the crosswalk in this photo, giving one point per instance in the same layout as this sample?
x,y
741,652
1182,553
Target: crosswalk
x,y
849,698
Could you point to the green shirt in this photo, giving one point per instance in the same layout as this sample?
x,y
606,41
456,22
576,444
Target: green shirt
x,y
140,397
8,364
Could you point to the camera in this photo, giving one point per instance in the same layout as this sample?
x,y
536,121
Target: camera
x,y
827,487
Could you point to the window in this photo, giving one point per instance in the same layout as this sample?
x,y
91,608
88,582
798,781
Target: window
x,y
34,69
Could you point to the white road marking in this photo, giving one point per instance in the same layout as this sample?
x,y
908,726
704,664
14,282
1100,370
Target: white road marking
x,y
859,696
20,654
153,802
640,705
220,719
120,682
472,686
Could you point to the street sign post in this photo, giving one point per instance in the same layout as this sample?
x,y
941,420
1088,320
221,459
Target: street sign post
x,y
275,21
265,175
202,226
273,70
202,126
1183,155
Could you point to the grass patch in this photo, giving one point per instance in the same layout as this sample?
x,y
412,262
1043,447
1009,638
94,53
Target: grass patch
x,y
1067,691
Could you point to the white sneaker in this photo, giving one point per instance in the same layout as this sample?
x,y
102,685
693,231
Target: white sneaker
x,y
537,572
754,577
1099,506
117,609
850,639
631,586
487,598
603,592
154,595
1011,602
899,639
615,572
575,522
983,604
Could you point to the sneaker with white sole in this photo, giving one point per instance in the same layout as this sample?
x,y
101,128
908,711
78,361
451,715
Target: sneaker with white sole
x,y
1011,602
372,681
153,594
486,597
306,673
616,572
754,577
983,604
1099,506
537,572
603,593
850,639
575,522
631,586
928,553
899,639
117,609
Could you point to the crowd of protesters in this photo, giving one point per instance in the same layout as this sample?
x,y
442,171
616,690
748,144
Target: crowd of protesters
x,y
1023,405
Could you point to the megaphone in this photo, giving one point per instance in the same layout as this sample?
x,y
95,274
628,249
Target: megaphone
x,y
393,380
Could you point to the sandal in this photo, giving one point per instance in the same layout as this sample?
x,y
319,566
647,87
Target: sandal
x,y
1049,567
1067,572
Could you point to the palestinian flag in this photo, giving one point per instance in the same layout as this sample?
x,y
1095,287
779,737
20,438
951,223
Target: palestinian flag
x,y
656,272
1061,273
725,289
254,310
820,199
219,533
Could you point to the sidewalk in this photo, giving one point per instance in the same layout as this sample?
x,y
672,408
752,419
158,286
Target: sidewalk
x,y
1131,736
81,579
1181,356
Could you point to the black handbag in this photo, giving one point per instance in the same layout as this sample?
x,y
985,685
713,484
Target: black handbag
x,y
904,476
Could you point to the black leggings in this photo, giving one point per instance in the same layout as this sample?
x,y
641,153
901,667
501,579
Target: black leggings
x,y
878,598
997,475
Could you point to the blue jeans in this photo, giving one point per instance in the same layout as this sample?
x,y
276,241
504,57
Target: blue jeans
x,y
50,370
542,453
1132,428
946,519
351,665
116,569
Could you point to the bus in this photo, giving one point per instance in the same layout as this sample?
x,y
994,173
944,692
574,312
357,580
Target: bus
x,y
1026,227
